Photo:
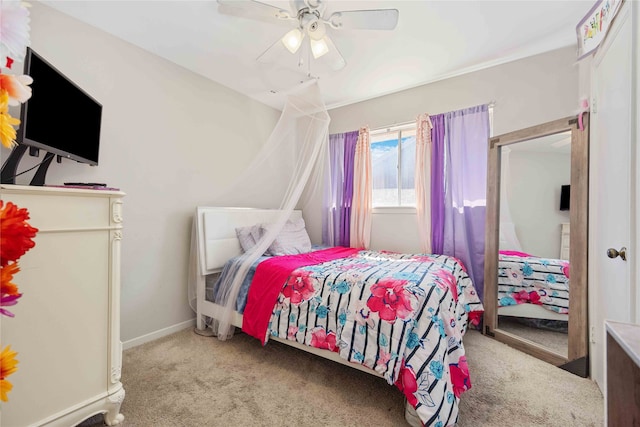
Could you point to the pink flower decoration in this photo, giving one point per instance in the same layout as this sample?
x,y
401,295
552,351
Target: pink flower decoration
x,y
407,384
448,280
299,287
7,301
390,299
459,373
320,339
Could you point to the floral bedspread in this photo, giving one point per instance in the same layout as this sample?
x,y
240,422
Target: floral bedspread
x,y
533,280
403,315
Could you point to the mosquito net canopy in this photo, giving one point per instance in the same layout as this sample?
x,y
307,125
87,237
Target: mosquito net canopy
x,y
283,174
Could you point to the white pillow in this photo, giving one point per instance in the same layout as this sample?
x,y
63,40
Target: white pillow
x,y
292,239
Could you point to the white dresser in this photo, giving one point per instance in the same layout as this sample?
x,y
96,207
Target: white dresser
x,y
66,328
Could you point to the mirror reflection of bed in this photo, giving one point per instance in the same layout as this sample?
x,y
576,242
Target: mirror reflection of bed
x,y
533,297
533,261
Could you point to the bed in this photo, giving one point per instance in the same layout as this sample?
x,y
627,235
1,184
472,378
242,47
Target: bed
x,y
533,287
396,316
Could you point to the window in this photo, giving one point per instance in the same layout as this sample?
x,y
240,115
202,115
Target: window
x,y
393,160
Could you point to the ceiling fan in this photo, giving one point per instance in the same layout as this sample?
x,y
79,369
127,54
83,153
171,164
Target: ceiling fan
x,y
309,20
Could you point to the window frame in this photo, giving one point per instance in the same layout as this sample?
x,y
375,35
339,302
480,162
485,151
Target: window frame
x,y
399,129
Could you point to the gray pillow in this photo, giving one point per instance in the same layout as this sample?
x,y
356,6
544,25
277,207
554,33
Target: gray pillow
x,y
292,239
246,237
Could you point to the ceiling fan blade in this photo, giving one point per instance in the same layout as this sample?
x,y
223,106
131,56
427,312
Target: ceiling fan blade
x,y
256,10
333,57
374,19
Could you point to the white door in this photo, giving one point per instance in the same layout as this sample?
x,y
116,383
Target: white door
x,y
610,293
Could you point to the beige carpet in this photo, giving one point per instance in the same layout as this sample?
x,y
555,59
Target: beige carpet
x,y
188,380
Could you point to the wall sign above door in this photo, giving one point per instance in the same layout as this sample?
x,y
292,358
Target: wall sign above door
x,y
592,29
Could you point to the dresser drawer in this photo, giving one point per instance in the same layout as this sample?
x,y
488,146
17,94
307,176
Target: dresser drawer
x,y
64,210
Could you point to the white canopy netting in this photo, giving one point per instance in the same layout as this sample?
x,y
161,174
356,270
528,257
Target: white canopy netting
x,y
288,169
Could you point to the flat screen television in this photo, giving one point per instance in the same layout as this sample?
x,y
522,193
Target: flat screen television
x,y
565,191
60,117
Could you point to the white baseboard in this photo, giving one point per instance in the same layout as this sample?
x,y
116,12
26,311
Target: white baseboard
x,y
158,334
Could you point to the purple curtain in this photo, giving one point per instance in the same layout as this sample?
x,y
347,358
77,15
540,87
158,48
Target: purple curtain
x,y
465,172
336,214
350,141
333,190
437,183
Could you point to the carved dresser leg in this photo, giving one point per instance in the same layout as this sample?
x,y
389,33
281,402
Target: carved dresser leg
x,y
113,416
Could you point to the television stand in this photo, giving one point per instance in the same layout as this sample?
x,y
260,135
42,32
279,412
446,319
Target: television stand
x,y
10,166
38,178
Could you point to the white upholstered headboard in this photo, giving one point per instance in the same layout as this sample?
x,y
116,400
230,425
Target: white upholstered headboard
x,y
216,233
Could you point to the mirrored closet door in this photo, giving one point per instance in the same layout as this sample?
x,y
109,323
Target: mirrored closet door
x,y
536,242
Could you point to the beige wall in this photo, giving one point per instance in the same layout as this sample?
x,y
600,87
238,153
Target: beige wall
x,y
170,139
533,194
526,92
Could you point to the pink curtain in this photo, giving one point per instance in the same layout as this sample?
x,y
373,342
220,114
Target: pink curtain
x,y
423,180
362,192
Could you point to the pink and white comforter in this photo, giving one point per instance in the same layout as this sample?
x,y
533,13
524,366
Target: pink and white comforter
x,y
402,315
527,279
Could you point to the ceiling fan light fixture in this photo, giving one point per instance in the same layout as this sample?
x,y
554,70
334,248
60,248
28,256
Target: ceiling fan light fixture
x,y
319,47
292,40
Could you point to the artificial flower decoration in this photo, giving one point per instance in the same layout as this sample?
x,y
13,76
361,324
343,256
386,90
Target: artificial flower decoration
x,y
16,238
8,365
9,294
14,39
7,132
17,87
14,27
6,276
15,233
7,301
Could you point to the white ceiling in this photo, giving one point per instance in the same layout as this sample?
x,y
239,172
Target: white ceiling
x,y
433,40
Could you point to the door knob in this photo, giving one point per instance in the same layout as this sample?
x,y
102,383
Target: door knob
x,y
612,253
